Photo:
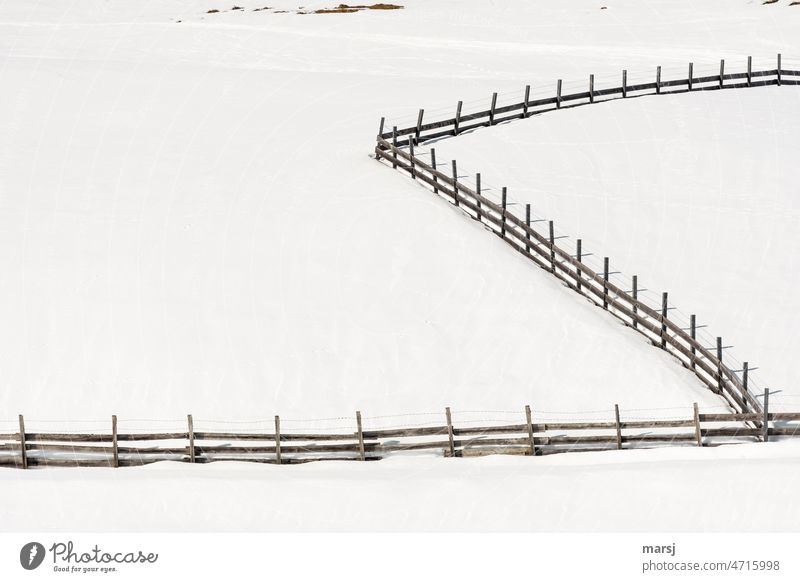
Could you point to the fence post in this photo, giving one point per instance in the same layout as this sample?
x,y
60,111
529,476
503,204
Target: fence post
x,y
745,373
779,69
693,334
478,191
419,125
491,110
504,201
455,183
457,121
380,135
552,248
525,101
721,72
658,79
529,419
528,224
624,83
450,431
191,438
23,447
360,435
591,88
115,448
558,94
278,439
749,71
433,165
579,257
635,304
766,414
605,282
664,307
411,160
619,426
719,364
394,143
691,74
697,432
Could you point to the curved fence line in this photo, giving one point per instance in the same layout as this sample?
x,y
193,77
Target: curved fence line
x,y
397,148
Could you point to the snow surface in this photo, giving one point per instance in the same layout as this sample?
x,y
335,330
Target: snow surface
x,y
697,194
657,490
191,223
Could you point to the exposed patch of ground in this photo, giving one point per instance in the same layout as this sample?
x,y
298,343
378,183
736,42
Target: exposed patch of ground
x,y
340,9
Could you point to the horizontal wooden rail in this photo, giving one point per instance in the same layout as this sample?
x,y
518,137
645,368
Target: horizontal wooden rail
x,y
532,437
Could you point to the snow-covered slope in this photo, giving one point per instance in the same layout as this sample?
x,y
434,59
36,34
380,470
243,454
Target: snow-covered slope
x,y
190,222
695,193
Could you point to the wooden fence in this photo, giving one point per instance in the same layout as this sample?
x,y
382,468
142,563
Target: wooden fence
x,y
123,449
707,362
461,122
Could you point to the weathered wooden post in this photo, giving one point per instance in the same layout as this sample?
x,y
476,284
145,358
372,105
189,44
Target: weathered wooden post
x,y
433,165
779,69
277,439
478,191
745,373
591,88
503,203
450,431
492,108
618,425
411,158
765,428
419,125
658,79
457,121
579,258
360,435
624,83
691,74
558,94
380,135
23,447
455,183
525,101
529,419
749,71
721,73
605,283
698,434
528,224
664,308
635,302
552,247
394,143
191,438
693,335
114,445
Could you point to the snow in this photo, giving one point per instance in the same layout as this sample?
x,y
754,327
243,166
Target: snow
x,y
190,222
694,193
655,490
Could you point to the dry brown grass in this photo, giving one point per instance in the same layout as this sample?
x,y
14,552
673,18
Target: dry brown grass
x,y
347,9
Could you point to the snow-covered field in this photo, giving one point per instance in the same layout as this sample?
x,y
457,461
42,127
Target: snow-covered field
x,y
190,222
